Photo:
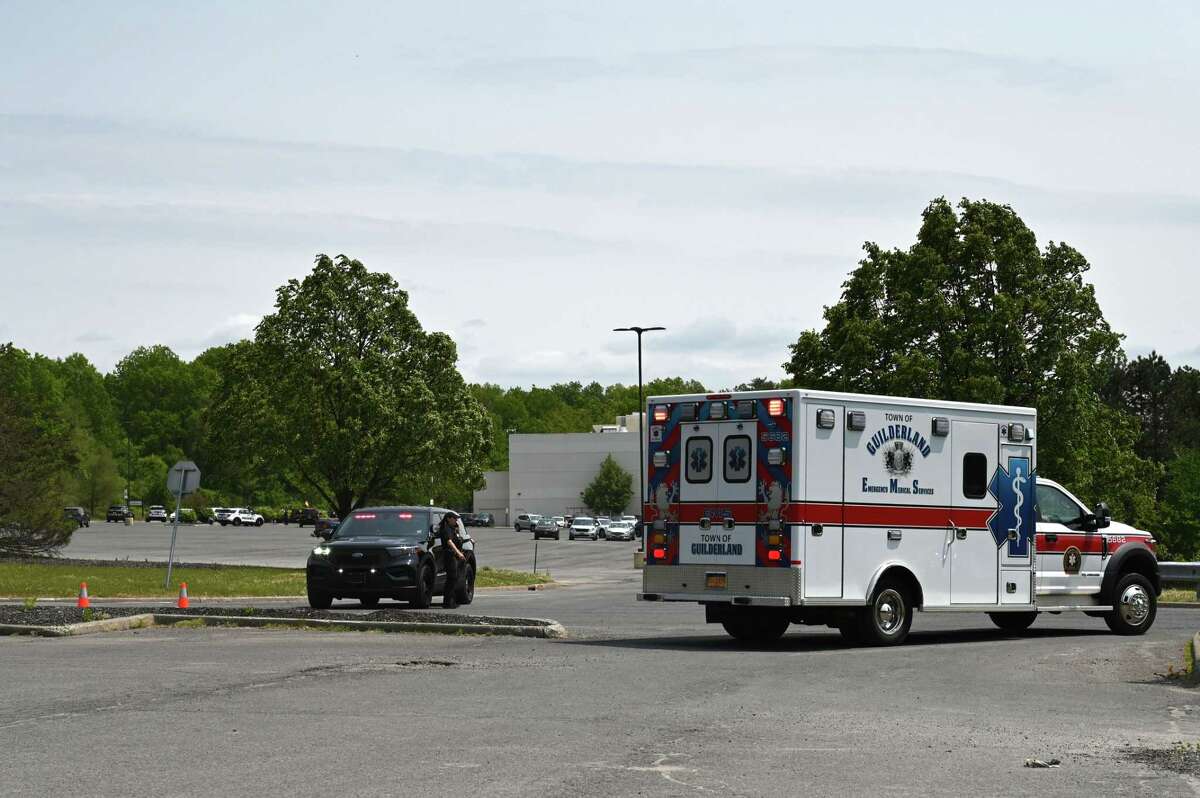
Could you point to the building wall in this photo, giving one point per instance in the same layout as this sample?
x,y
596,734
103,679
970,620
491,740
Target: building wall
x,y
547,473
494,496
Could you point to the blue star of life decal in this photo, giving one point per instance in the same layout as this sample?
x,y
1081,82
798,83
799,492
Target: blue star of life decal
x,y
699,460
1013,489
737,459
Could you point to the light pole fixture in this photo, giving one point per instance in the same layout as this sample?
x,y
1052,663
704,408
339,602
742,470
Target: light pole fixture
x,y
641,425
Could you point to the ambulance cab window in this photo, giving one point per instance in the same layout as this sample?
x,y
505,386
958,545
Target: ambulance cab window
x,y
738,460
1056,507
698,460
974,473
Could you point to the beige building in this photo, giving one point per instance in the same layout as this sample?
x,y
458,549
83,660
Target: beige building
x,y
549,472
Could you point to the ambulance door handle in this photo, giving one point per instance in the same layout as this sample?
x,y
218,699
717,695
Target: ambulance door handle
x,y
960,533
817,530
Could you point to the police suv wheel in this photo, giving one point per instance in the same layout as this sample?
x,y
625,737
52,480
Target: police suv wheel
x,y
237,522
258,522
1134,606
888,617
319,600
466,591
423,596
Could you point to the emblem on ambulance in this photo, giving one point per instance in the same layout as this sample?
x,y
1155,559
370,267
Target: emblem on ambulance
x,y
898,459
1072,559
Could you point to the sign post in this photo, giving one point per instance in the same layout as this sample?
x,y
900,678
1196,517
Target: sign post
x,y
182,479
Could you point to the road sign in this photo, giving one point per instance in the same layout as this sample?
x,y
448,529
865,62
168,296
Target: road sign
x,y
183,478
135,502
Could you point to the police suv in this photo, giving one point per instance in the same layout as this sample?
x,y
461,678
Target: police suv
x,y
854,511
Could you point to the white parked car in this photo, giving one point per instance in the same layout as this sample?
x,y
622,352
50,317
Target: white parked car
x,y
584,527
619,530
560,521
157,513
240,516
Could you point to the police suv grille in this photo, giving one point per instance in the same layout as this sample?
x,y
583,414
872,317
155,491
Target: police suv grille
x,y
346,557
741,580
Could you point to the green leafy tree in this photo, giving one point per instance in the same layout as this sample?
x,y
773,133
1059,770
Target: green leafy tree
x,y
1180,530
611,490
975,311
96,480
346,397
159,400
36,455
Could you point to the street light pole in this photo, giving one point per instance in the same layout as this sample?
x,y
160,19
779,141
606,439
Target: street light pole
x,y
641,426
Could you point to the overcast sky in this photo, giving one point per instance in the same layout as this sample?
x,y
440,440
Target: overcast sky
x,y
535,174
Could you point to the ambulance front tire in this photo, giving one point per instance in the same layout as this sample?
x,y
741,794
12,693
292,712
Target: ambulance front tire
x,y
888,617
758,628
1013,621
1134,606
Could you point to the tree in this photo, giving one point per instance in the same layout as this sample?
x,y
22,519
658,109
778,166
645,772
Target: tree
x,y
611,490
1180,531
975,311
344,396
36,454
159,400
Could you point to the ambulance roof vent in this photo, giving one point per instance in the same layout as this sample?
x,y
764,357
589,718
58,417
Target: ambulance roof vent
x,y
826,419
941,426
856,421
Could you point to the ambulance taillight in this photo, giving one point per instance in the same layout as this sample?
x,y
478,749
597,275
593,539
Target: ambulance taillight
x,y
774,407
660,414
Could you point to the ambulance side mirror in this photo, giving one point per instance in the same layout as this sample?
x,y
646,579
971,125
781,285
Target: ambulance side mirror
x,y
1103,515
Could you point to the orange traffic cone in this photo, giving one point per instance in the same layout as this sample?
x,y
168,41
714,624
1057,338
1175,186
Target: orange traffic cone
x,y
83,596
183,599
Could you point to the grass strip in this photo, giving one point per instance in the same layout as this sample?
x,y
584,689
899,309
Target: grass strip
x,y
53,580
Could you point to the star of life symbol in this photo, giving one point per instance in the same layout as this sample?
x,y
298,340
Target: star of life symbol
x,y
699,460
737,459
1014,511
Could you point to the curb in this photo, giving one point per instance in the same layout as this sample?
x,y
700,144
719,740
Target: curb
x,y
219,599
539,627
70,630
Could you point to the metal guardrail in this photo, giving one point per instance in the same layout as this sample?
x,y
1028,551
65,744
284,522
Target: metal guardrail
x,y
1180,574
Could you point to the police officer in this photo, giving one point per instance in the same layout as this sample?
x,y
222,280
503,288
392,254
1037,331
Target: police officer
x,y
452,534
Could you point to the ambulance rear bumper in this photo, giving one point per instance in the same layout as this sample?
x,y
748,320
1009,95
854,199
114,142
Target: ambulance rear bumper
x,y
745,585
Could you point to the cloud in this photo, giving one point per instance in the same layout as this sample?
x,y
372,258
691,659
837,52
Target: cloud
x,y
92,337
474,323
788,63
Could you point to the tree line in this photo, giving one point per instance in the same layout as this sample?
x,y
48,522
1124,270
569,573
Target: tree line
x,y
342,398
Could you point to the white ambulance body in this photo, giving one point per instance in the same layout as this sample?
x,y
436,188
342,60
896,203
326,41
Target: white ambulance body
x,y
852,511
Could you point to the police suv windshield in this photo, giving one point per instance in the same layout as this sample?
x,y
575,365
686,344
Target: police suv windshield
x,y
408,524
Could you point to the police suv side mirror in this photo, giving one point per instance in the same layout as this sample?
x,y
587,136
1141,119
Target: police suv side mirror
x,y
1103,515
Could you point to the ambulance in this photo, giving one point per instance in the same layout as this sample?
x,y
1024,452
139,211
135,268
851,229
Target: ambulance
x,y
852,511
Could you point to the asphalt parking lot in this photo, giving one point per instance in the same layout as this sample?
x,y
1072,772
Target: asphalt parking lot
x,y
288,547
642,699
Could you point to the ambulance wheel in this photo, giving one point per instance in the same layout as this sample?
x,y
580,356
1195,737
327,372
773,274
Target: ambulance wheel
x,y
758,628
1134,607
888,617
1013,621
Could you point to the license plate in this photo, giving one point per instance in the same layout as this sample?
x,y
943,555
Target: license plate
x,y
714,581
356,579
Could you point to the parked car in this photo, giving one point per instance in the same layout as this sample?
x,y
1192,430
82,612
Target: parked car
x,y
545,527
157,513
242,516
584,527
325,525
308,516
117,513
560,521
602,522
525,522
78,515
385,552
620,530
484,519
223,515
468,519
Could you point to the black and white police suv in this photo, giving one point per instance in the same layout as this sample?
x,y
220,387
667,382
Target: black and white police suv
x,y
385,552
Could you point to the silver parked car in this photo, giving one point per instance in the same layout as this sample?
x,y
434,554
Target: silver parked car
x,y
620,530
584,527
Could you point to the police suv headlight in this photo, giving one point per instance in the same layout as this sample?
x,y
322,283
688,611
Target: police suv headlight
x,y
401,551
321,551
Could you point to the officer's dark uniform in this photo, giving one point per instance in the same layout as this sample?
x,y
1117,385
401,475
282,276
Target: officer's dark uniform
x,y
448,533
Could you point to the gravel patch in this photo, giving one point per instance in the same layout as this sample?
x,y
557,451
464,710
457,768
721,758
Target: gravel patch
x,y
1183,758
61,616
